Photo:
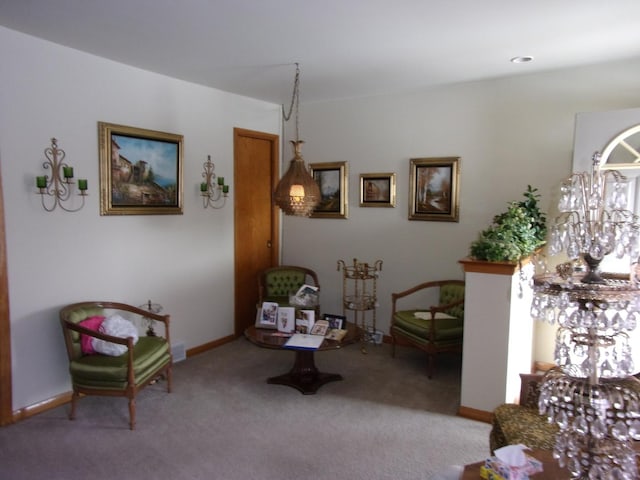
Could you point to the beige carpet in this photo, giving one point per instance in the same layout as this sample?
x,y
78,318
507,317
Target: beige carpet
x,y
386,420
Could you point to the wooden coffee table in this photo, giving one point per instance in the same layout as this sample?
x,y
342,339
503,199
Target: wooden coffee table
x,y
304,375
550,468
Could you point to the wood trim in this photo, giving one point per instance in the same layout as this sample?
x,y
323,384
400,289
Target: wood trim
x,y
6,392
474,414
497,268
209,346
43,406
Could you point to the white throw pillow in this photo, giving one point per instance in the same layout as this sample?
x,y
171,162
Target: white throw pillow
x,y
118,327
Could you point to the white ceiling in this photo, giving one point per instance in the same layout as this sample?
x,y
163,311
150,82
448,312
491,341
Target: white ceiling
x,y
346,48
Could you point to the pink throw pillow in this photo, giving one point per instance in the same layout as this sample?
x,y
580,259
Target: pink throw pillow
x,y
92,323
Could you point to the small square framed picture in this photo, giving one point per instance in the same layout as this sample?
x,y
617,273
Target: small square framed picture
x,y
377,189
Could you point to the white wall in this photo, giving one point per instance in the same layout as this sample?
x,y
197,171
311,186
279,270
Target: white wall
x,y
508,132
184,262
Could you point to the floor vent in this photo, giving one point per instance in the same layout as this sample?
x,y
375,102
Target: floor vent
x,y
178,351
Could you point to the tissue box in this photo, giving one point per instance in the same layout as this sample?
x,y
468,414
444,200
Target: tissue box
x,y
489,474
508,472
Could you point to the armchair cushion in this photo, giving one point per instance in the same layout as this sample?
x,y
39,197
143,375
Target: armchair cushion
x,y
448,328
105,371
521,423
513,424
282,282
453,294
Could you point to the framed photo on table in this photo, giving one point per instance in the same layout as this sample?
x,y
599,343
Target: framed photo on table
x,y
332,178
434,189
267,315
336,321
378,190
286,319
140,171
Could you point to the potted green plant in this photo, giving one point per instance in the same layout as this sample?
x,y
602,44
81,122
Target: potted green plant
x,y
514,234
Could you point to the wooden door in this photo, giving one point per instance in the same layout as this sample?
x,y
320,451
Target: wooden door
x,y
256,217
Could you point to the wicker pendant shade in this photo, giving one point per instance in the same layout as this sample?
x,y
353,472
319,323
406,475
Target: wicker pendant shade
x,y
297,192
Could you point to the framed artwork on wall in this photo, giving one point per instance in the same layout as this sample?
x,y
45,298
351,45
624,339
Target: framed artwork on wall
x,y
332,178
434,189
378,190
140,171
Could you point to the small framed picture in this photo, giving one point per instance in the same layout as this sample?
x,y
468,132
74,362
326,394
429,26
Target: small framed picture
x,y
267,315
336,321
286,319
378,190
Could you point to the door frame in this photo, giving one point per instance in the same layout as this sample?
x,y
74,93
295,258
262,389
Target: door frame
x,y
6,407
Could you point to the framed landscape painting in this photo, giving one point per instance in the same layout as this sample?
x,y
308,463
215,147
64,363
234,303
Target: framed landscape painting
x,y
332,180
140,171
434,189
378,190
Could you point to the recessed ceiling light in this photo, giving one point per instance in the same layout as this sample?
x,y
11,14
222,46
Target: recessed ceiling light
x,y
523,59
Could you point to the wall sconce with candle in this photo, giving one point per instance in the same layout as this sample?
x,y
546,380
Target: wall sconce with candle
x,y
59,186
213,190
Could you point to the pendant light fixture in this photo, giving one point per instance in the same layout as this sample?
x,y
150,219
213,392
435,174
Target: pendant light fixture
x,y
297,192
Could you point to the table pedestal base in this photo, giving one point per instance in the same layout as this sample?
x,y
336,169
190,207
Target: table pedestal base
x,y
304,376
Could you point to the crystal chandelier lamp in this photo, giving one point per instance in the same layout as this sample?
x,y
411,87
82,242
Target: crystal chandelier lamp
x,y
591,394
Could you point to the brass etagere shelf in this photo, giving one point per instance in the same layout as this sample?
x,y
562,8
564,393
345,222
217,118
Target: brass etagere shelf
x,y
359,295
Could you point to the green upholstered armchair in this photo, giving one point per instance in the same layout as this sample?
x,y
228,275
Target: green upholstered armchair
x,y
275,283
433,329
123,375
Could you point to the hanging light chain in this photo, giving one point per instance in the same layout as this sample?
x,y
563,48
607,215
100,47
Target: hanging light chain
x,y
294,101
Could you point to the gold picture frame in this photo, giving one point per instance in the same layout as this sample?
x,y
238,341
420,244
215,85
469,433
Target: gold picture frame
x,y
332,178
378,190
140,171
434,189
